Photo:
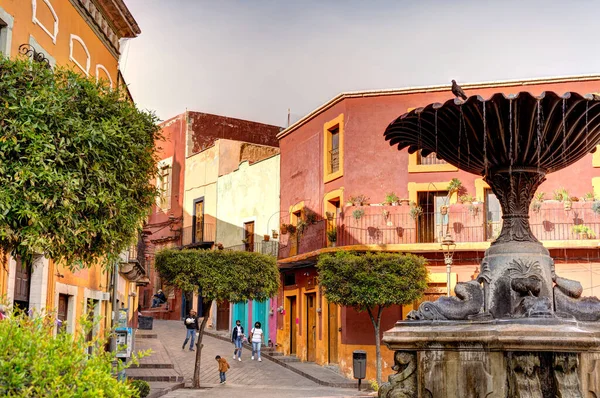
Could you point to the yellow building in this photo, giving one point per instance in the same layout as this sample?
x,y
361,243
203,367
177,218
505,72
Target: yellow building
x,y
84,35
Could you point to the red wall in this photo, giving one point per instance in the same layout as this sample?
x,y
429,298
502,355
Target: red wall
x,y
372,167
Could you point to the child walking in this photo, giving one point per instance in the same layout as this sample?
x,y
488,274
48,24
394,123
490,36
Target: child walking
x,y
223,367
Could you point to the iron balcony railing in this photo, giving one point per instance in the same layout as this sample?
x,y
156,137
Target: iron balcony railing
x,y
430,159
191,236
270,248
385,225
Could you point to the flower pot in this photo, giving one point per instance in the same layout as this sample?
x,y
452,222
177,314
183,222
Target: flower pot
x,y
284,229
266,238
275,234
583,235
404,202
444,210
568,205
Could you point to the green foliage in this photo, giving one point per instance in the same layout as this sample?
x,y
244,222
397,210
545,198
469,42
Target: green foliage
x,y
561,195
141,386
589,196
332,235
77,160
34,363
391,198
539,196
358,213
596,207
310,216
222,275
372,279
415,211
583,229
467,198
455,185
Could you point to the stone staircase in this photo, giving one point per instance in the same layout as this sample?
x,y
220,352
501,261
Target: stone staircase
x,y
157,367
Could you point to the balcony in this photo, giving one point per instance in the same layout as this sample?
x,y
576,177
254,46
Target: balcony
x,y
270,248
190,237
393,225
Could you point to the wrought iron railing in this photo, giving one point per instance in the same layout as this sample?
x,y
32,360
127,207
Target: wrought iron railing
x,y
430,159
191,236
270,248
385,225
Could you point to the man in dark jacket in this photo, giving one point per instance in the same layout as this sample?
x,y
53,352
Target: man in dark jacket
x,y
158,299
191,324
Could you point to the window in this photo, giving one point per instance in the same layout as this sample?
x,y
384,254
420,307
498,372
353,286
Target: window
x,y
289,279
198,219
46,14
63,311
429,159
431,224
6,25
249,236
333,147
164,186
77,53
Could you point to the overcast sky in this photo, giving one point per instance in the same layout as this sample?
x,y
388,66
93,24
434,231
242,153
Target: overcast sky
x,y
254,59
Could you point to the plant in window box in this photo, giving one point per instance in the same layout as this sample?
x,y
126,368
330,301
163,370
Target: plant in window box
x,y
391,199
332,236
357,214
415,211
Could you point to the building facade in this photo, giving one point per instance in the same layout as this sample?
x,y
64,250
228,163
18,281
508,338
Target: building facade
x,y
197,149
84,35
339,183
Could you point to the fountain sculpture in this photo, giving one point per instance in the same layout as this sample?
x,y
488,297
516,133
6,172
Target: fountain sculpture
x,y
518,330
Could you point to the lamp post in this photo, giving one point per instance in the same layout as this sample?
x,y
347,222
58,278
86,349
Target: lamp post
x,y
448,246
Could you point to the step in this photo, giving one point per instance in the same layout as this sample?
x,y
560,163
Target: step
x,y
152,366
287,359
139,335
164,375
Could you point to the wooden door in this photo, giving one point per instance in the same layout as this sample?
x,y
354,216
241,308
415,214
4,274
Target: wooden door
x,y
333,332
22,283
223,315
63,310
249,236
311,327
293,326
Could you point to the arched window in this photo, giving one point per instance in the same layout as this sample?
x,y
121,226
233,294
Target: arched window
x,y
106,75
43,15
74,54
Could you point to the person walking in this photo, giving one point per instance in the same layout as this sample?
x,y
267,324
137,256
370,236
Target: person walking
x,y
257,338
223,368
237,334
191,324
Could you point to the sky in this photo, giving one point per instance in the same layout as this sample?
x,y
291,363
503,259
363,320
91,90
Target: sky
x,y
255,59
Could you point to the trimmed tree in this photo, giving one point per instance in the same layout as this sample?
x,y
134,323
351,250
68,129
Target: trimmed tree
x,y
371,282
219,275
76,163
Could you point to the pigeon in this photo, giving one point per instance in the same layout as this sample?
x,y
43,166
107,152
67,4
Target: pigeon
x,y
458,91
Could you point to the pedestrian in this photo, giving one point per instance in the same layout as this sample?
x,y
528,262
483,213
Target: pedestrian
x,y
223,367
191,324
158,299
237,334
257,337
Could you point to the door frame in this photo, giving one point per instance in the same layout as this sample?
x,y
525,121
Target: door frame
x,y
308,318
265,320
292,303
331,332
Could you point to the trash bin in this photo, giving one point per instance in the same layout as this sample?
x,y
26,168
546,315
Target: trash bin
x,y
145,322
359,365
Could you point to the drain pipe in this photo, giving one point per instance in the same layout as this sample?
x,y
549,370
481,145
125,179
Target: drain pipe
x,y
115,310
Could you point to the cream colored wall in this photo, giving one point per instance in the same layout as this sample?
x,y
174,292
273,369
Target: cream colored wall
x,y
250,193
201,173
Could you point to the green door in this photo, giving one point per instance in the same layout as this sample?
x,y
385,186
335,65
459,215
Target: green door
x,y
260,314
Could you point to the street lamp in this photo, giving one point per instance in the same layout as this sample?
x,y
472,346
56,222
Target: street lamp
x,y
448,246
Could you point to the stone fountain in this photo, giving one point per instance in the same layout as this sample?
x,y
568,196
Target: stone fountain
x,y
518,330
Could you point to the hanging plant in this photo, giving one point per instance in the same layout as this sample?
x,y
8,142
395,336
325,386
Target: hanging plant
x,y
443,210
596,206
357,214
415,211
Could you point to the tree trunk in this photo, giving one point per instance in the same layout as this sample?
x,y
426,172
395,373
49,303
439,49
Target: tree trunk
x,y
199,345
377,326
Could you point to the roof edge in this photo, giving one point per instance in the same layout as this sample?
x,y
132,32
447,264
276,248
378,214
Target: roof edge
x,y
434,88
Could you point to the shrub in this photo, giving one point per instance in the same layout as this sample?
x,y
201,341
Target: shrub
x,y
332,235
141,386
34,363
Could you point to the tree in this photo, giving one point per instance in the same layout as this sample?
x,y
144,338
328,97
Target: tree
x,y
371,282
219,275
34,363
76,161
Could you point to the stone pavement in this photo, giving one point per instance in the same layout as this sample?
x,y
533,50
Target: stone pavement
x,y
248,373
267,391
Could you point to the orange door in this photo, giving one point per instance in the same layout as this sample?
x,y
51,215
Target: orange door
x,y
311,327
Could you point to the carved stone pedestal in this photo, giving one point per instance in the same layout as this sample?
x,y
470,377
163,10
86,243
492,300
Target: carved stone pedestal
x,y
524,358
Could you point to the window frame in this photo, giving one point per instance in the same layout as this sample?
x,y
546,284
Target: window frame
x,y
334,125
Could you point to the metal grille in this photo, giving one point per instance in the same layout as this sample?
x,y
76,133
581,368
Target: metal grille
x,y
429,159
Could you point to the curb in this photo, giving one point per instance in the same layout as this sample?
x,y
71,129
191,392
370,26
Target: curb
x,y
167,390
271,358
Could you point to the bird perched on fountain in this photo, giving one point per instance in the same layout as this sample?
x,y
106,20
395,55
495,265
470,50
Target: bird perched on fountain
x,y
457,90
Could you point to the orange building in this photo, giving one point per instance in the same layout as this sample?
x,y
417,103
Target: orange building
x,y
84,35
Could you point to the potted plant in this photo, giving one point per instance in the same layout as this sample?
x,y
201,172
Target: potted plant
x,y
274,234
332,236
455,185
283,228
266,237
391,199
415,211
583,231
596,206
405,202
360,200
357,214
350,201
443,210
467,199
589,197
